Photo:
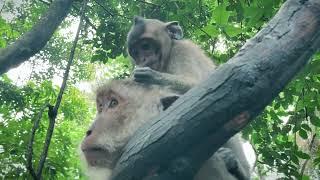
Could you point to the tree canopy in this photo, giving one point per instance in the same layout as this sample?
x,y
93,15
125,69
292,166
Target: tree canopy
x,y
285,136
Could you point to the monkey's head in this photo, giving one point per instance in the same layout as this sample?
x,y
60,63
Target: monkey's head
x,y
122,107
150,42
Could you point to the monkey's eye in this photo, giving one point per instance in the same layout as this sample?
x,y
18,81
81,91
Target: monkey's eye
x,y
113,103
100,107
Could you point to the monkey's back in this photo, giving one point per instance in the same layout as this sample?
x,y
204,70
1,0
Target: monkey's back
x,y
187,59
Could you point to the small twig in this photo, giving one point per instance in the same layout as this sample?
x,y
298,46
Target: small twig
x,y
149,3
188,19
200,8
104,8
4,4
108,11
77,9
33,64
86,19
45,2
29,153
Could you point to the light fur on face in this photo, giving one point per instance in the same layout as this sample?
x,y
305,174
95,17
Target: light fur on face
x,y
112,128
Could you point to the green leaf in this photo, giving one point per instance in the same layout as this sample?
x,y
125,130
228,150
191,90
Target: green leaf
x,y
212,30
303,134
300,105
220,15
302,155
305,177
315,121
317,161
286,129
306,127
254,14
288,144
231,30
295,160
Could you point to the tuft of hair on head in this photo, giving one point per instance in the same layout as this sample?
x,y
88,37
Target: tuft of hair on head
x,y
109,84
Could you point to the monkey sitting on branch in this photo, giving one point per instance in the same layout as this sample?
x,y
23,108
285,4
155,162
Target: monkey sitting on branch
x,y
163,57
122,107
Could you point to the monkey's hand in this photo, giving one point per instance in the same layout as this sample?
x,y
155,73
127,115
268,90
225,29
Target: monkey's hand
x,y
150,76
147,75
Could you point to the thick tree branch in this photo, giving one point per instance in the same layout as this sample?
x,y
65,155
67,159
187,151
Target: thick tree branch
x,y
205,117
33,41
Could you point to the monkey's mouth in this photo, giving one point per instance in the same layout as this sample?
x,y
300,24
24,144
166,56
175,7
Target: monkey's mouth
x,y
100,157
148,63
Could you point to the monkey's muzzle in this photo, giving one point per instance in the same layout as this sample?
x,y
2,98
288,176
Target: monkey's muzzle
x,y
99,157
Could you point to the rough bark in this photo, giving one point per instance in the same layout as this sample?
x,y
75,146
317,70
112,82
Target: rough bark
x,y
33,41
205,117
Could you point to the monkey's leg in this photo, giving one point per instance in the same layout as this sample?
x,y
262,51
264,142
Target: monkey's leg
x,y
232,163
174,82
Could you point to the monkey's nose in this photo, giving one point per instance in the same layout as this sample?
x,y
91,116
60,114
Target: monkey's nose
x,y
146,47
88,132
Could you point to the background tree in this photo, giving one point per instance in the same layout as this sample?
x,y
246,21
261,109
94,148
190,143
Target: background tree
x,y
220,27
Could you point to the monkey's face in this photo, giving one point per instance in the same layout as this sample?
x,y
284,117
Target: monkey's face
x,y
146,53
104,137
150,42
121,110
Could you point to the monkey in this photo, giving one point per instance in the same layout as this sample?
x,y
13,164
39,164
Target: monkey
x,y
122,107
163,57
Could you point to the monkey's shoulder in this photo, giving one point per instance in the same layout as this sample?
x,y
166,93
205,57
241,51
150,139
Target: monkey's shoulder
x,y
186,44
190,54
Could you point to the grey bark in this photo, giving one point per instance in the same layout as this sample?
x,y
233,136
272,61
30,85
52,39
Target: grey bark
x,y
203,119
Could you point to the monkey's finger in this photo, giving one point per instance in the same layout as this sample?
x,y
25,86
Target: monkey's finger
x,y
143,71
143,80
142,75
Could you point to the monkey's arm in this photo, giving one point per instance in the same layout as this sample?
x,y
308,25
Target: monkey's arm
x,y
174,82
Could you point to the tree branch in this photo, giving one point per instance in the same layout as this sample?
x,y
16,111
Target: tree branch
x,y
33,41
86,19
4,4
53,110
29,153
104,8
99,3
77,9
149,3
203,119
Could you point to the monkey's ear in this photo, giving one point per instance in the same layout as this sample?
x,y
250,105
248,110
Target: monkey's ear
x,y
174,30
138,19
167,101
